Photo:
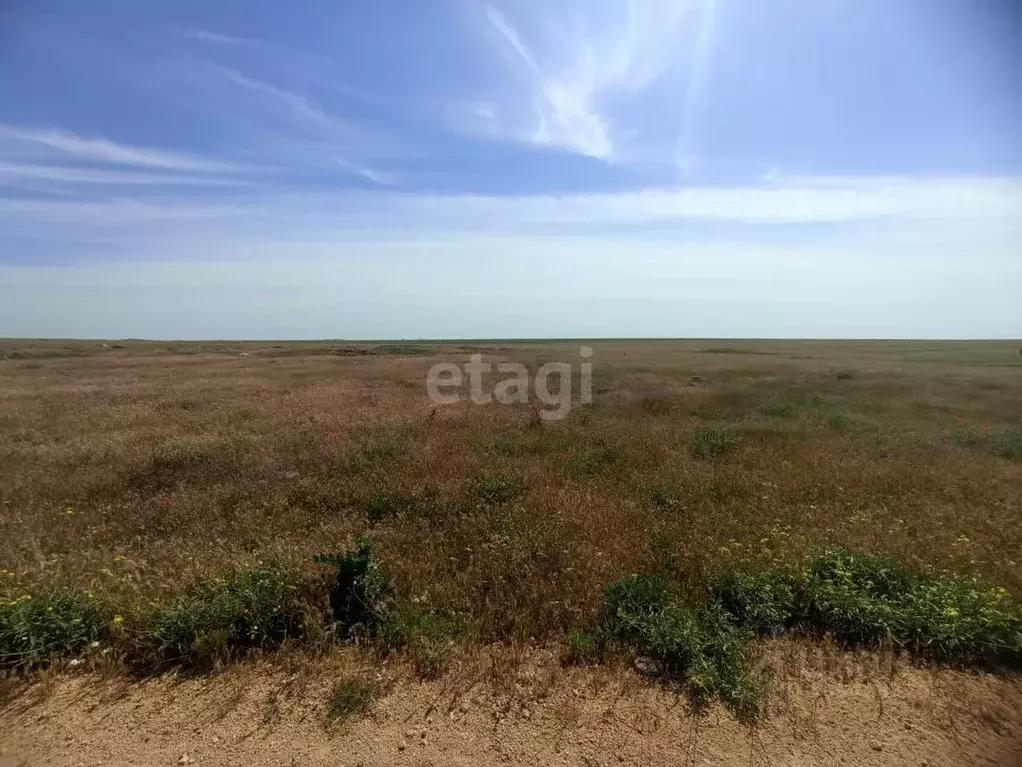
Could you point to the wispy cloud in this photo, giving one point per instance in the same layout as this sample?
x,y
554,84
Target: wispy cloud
x,y
20,142
15,174
216,38
341,214
295,108
573,82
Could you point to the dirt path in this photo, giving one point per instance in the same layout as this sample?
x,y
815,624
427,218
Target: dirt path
x,y
541,715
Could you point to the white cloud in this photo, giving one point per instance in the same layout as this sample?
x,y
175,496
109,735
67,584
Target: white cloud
x,y
295,108
22,141
15,174
568,79
216,38
339,215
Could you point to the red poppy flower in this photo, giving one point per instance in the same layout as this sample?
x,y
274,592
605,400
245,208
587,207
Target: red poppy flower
x,y
166,502
330,435
985,427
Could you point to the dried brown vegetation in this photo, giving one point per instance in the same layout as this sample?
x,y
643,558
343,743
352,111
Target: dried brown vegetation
x,y
134,470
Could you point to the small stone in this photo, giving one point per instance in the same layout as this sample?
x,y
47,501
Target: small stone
x,y
402,746
876,746
185,759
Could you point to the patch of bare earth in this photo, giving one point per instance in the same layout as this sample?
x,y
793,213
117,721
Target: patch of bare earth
x,y
259,714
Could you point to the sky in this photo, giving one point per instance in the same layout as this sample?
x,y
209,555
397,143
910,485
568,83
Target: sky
x,y
511,169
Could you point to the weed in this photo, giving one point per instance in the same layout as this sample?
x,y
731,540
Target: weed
x,y
594,459
350,698
776,408
361,595
697,646
868,600
37,628
496,489
428,637
846,374
585,647
1006,443
262,606
715,441
666,499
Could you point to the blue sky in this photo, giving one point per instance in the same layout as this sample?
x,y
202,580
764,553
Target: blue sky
x,y
458,168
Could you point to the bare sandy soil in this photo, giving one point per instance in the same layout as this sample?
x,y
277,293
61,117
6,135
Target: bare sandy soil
x,y
540,715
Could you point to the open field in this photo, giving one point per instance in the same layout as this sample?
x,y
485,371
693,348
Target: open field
x,y
135,477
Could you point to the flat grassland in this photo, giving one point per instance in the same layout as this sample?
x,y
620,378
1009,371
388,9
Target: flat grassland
x,y
135,472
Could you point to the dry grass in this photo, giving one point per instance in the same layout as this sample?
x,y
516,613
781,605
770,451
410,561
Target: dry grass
x,y
134,470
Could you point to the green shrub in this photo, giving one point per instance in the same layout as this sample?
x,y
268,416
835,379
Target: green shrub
x,y
1006,443
38,628
428,636
715,441
866,600
699,647
776,408
361,595
760,600
496,489
847,374
263,606
350,698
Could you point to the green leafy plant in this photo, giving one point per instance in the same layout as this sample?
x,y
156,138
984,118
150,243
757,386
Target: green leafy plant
x,y
361,595
262,606
38,628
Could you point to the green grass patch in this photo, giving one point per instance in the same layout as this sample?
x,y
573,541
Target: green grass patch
x,y
496,489
262,606
36,629
351,698
715,441
775,407
429,638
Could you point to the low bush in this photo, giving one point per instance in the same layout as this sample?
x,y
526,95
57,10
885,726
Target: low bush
x,y
776,408
697,646
263,606
38,628
715,441
361,595
866,600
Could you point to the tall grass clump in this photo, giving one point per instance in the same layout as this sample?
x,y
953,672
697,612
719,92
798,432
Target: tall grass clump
x,y
262,606
427,636
350,698
38,628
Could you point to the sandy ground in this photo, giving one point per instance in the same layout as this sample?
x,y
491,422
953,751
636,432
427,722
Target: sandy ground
x,y
540,714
